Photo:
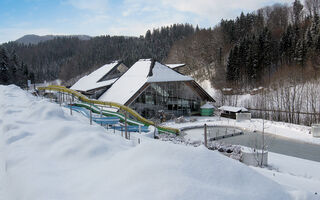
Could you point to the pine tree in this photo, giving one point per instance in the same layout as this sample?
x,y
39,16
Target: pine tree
x,y
297,12
230,67
4,71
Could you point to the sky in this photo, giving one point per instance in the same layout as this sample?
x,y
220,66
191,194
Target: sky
x,y
114,17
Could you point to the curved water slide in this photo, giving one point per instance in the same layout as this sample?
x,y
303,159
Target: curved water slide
x,y
92,103
133,126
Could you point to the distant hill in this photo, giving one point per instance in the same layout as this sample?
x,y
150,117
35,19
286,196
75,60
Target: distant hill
x,y
35,39
67,57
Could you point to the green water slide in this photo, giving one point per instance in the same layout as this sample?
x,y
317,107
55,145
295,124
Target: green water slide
x,y
93,104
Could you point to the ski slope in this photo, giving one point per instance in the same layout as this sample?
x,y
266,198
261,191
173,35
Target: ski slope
x,y
48,154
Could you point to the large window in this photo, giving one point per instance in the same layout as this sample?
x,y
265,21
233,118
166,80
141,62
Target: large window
x,y
175,98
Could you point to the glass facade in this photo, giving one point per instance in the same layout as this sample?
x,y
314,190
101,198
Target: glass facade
x,y
173,98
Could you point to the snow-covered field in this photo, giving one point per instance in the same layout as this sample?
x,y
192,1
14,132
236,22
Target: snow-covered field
x,y
299,176
47,154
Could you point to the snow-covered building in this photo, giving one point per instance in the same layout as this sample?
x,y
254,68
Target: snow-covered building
x,y
97,82
231,111
149,86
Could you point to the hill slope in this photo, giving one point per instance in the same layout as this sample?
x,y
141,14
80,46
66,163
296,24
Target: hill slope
x,y
48,154
35,39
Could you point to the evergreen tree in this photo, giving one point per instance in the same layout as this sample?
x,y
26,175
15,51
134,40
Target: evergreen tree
x,y
4,71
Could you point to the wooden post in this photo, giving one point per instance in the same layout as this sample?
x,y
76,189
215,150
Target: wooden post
x,y
125,125
70,107
90,116
101,116
60,98
205,135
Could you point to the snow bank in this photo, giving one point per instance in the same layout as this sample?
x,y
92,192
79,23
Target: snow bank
x,y
301,177
47,154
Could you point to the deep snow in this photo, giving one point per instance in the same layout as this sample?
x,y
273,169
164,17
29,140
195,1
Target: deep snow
x,y
300,177
48,154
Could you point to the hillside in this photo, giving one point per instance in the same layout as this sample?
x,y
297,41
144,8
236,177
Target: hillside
x,y
35,39
73,160
67,57
253,50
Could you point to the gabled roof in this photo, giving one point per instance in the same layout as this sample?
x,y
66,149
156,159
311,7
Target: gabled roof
x,y
142,72
233,109
173,66
91,81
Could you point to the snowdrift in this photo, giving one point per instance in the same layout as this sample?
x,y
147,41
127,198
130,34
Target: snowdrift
x,y
47,154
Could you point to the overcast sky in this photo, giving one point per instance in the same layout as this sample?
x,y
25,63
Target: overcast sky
x,y
111,17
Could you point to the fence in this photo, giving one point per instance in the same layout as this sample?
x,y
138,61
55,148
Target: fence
x,y
243,116
315,130
303,118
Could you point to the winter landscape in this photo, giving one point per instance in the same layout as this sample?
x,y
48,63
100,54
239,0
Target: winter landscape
x,y
138,99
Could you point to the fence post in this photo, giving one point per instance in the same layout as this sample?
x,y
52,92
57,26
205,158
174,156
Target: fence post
x,y
139,129
60,98
70,106
101,116
90,115
121,131
125,125
205,135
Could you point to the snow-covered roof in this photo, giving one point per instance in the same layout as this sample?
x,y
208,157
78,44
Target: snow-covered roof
x,y
233,109
139,74
90,81
162,73
172,66
207,105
